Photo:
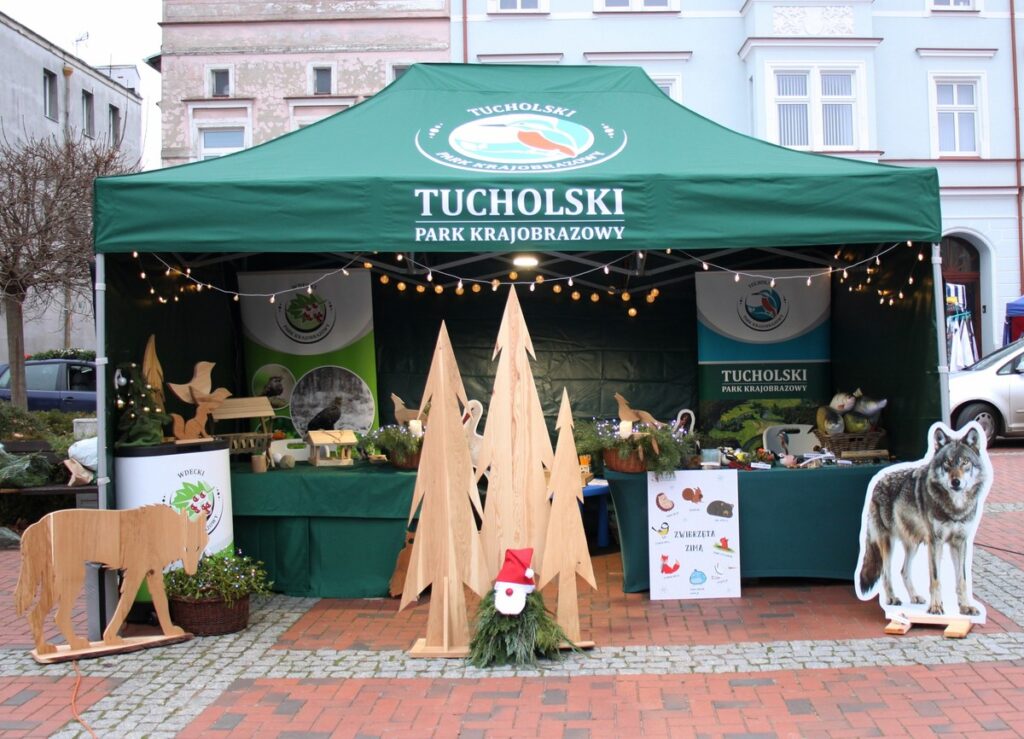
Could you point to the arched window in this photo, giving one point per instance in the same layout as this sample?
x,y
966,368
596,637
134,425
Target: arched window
x,y
961,265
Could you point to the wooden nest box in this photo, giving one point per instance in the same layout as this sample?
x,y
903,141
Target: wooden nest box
x,y
332,448
253,442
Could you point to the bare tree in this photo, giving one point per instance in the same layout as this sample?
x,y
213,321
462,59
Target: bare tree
x,y
46,188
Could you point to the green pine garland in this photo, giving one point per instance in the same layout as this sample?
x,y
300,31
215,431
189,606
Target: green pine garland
x,y
515,640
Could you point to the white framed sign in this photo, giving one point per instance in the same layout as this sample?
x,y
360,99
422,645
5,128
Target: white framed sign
x,y
693,523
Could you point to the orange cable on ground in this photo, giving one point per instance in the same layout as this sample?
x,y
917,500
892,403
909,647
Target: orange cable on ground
x,y
74,699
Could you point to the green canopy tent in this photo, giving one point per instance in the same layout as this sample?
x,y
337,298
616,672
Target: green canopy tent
x,y
469,158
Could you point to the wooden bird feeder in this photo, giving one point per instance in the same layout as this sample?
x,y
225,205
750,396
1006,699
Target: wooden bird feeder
x,y
332,448
252,442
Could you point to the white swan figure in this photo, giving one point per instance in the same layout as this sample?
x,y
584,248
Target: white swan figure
x,y
470,420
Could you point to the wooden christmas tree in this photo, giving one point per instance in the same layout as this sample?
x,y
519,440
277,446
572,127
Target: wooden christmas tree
x,y
446,553
566,553
515,449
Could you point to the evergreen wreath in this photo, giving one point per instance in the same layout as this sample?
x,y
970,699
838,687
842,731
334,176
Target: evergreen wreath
x,y
515,640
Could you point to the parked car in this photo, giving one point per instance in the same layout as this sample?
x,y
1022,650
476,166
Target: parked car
x,y
61,384
991,392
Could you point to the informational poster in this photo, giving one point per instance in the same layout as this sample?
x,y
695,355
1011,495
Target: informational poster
x,y
763,352
310,351
694,528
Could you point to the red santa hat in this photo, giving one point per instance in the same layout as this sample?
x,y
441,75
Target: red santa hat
x,y
514,582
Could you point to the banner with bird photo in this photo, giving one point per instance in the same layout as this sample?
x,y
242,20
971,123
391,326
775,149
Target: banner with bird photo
x,y
763,351
309,347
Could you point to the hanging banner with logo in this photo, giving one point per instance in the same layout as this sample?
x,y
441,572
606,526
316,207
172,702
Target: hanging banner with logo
x,y
694,529
763,352
311,350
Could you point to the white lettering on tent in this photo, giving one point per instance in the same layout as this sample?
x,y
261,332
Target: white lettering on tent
x,y
518,234
521,108
510,202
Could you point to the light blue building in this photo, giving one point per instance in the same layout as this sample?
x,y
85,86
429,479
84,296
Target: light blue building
x,y
904,82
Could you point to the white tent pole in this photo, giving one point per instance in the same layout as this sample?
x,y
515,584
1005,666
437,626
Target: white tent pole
x,y
940,331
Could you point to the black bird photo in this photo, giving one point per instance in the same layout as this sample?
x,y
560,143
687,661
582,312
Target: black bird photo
x,y
273,387
325,419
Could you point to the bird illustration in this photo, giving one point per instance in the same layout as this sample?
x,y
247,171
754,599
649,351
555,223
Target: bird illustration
x,y
511,133
273,387
628,414
403,415
783,438
768,303
470,421
325,419
661,530
200,384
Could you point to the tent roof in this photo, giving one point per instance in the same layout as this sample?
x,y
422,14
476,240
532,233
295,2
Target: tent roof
x,y
494,158
1015,307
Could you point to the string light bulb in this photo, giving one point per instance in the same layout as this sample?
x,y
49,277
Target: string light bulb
x,y
142,275
575,294
570,282
476,287
438,289
626,297
367,265
632,312
399,257
704,265
772,283
594,297
911,280
236,298
459,286
309,289
808,280
737,277
344,272
494,284
135,254
421,289
539,279
533,286
607,269
384,279
556,288
401,287
430,276
273,298
655,292
513,275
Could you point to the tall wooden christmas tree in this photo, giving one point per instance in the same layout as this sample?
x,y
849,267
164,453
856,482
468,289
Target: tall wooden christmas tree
x,y
446,553
515,449
566,553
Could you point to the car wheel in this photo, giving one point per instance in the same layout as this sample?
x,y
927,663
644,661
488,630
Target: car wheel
x,y
984,414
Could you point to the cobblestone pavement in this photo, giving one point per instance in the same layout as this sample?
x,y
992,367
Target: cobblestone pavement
x,y
253,684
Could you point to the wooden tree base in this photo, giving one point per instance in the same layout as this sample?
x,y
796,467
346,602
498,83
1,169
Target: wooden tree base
x,y
957,627
95,649
420,650
565,646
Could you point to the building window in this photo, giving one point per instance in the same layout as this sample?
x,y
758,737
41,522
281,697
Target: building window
x,y
217,142
953,4
816,109
635,5
397,70
114,124
220,83
956,117
671,85
88,115
517,6
323,81
50,94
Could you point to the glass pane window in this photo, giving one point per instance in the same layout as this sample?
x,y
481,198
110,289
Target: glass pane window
x,y
50,94
216,142
837,108
953,4
41,376
637,4
322,81
114,124
518,4
791,84
793,125
220,83
816,108
957,116
88,116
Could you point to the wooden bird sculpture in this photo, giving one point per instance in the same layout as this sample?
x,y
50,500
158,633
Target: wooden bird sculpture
x,y
634,416
470,421
200,384
403,415
198,392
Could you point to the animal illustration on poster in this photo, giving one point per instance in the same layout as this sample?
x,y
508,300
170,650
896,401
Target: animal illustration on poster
x,y
919,521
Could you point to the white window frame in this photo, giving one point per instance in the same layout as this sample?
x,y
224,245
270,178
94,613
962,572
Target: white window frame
x,y
114,125
196,127
673,83
637,6
51,98
88,114
955,6
311,68
981,112
494,7
209,69
814,70
295,106
203,153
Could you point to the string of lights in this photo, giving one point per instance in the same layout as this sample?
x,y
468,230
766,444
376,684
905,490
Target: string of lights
x,y
476,284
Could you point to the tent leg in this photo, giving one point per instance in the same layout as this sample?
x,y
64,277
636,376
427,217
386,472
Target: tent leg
x,y
940,332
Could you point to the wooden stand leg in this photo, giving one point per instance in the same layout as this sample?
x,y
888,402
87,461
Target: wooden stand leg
x,y
957,627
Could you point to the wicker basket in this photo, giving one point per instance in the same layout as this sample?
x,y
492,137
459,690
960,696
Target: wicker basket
x,y
615,463
405,463
839,443
210,617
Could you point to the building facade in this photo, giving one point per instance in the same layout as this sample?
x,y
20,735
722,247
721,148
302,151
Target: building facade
x,y
47,91
905,82
236,74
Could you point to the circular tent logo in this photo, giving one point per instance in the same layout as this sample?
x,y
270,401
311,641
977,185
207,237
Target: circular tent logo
x,y
306,318
520,142
763,308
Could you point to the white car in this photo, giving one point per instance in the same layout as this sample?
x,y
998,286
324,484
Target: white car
x,y
991,392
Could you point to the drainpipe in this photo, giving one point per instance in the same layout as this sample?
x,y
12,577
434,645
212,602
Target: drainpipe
x,y
68,71
940,331
465,51
1016,141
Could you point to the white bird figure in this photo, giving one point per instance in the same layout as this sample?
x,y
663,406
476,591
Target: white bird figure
x,y
470,420
680,424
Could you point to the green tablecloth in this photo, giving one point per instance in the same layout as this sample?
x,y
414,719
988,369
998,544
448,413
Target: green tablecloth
x,y
332,532
793,523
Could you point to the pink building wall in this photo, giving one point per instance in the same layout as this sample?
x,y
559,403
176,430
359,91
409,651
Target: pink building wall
x,y
269,50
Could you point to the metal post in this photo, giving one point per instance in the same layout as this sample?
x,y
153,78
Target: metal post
x,y
940,331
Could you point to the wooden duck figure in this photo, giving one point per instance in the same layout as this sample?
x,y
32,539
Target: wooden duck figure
x,y
634,416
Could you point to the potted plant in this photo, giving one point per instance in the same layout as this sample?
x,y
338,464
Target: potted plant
x,y
400,444
215,600
647,448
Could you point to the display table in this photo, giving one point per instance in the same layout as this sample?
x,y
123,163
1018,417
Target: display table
x,y
793,523
332,532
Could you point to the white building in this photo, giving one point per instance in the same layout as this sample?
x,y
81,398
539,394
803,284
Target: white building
x,y
48,91
907,82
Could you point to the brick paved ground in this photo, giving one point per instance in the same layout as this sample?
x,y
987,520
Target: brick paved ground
x,y
788,659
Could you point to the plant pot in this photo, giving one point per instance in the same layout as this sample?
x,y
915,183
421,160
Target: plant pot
x,y
209,617
406,463
633,463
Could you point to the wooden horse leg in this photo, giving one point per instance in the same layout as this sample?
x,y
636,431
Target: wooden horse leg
x,y
156,589
70,586
37,615
129,587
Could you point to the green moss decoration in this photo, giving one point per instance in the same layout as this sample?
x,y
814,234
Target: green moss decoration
x,y
515,640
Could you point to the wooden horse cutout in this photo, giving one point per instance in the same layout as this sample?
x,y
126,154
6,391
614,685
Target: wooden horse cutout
x,y
141,542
